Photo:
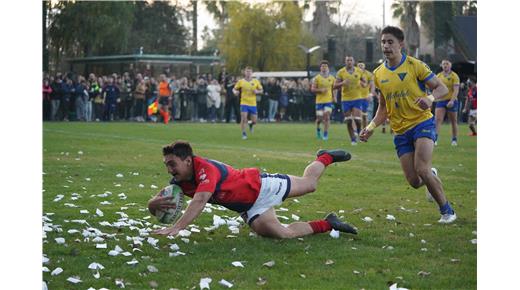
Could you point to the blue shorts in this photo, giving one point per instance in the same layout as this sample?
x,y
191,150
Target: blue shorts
x,y
324,107
404,143
443,104
349,105
364,106
248,109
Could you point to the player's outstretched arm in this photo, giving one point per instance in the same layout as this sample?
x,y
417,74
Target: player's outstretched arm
x,y
379,118
192,212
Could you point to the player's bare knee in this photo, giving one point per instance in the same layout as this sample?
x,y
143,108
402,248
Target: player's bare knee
x,y
424,172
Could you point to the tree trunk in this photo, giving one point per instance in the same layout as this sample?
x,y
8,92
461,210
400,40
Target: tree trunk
x,y
45,50
195,36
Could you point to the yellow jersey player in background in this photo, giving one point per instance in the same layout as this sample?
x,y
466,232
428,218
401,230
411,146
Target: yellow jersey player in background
x,y
247,89
322,86
402,81
350,79
368,92
449,103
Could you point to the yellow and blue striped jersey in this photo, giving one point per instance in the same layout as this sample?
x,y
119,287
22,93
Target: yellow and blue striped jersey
x,y
321,82
352,91
246,88
452,79
401,86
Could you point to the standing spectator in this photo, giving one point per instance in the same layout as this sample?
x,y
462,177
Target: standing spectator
x,y
223,76
183,95
471,107
47,90
93,87
99,100
127,98
201,92
56,96
291,106
283,102
213,100
110,94
273,92
81,96
139,95
67,95
232,101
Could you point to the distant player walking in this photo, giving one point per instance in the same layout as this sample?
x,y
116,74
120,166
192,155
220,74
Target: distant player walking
x,y
449,103
350,79
247,88
322,86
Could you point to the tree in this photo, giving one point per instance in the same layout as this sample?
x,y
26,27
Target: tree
x,y
84,28
158,28
406,12
264,36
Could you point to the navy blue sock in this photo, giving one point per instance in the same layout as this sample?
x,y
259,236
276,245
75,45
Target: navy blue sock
x,y
446,208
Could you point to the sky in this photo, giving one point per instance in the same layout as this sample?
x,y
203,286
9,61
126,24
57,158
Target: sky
x,y
364,11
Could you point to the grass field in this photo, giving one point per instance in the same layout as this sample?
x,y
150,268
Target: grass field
x,y
83,162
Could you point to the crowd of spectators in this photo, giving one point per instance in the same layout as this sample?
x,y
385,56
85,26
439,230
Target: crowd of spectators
x,y
205,98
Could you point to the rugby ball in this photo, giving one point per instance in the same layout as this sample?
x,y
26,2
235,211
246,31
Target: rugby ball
x,y
171,215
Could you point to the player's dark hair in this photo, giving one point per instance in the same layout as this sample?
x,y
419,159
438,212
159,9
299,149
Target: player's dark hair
x,y
395,31
324,62
179,148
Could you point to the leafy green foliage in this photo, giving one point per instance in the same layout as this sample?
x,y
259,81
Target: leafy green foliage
x,y
264,36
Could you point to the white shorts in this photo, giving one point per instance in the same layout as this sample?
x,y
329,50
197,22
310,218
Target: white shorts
x,y
473,113
274,190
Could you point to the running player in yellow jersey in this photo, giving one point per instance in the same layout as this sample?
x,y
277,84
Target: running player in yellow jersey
x,y
247,88
322,86
369,92
402,80
449,103
350,79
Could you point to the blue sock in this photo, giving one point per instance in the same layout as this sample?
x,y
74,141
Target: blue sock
x,y
244,133
454,139
353,139
325,133
446,208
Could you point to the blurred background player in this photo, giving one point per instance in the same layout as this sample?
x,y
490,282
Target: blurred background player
x,y
368,92
349,78
449,103
471,107
322,86
402,81
247,88
165,96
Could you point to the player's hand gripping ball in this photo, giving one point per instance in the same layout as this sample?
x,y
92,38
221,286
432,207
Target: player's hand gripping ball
x,y
171,215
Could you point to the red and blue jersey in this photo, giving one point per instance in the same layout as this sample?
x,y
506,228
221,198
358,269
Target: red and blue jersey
x,y
235,189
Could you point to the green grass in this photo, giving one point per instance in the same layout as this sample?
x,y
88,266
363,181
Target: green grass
x,y
371,184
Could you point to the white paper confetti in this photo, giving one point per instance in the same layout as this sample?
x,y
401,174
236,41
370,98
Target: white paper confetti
x,y
99,212
133,262
74,280
95,266
184,233
204,283
394,287
56,271
59,197
390,217
334,234
237,264
119,175
101,246
152,269
60,241
225,283
269,264
367,219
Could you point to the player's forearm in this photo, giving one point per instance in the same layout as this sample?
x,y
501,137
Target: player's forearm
x,y
380,116
193,210
440,91
455,93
